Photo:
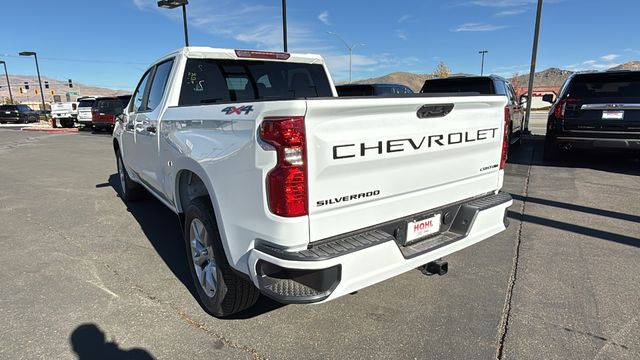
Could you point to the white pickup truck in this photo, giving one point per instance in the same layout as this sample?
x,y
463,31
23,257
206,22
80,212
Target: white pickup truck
x,y
64,113
284,189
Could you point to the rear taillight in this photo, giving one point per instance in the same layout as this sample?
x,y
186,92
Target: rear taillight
x,y
254,54
561,107
287,181
505,137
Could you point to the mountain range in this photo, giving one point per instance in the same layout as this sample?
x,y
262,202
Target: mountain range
x,y
552,77
60,87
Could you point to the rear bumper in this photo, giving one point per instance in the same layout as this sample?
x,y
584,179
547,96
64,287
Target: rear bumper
x,y
597,143
11,119
344,264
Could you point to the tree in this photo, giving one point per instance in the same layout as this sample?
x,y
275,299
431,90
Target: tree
x,y
442,71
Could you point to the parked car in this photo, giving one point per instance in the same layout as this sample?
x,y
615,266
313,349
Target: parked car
x,y
598,111
105,110
17,114
372,89
65,113
485,85
85,117
286,190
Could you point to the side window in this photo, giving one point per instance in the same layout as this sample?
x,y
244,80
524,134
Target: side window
x,y
138,95
158,84
203,83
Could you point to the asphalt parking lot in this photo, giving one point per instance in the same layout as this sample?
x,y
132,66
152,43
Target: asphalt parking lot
x,y
84,275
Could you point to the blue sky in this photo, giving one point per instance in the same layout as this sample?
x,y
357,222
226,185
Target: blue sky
x,y
110,42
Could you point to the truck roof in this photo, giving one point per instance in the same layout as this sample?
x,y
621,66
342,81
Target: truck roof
x,y
205,52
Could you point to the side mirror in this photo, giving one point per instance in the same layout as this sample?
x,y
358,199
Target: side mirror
x,y
548,98
120,118
523,100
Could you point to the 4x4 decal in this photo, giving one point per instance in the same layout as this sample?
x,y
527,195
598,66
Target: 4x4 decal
x,y
230,110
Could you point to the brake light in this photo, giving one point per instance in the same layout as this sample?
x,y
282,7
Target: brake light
x,y
287,182
254,54
505,137
561,107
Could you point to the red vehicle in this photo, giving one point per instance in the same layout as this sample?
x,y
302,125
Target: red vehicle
x,y
105,110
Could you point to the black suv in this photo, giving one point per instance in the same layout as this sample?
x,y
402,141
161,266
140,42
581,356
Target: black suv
x,y
484,85
372,89
595,111
18,114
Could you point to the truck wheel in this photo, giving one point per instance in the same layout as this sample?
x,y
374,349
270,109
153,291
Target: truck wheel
x,y
129,189
221,291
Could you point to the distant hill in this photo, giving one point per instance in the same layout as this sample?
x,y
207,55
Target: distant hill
x,y
631,65
58,86
552,77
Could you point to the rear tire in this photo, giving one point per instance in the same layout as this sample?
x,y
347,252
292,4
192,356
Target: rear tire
x,y
129,189
221,291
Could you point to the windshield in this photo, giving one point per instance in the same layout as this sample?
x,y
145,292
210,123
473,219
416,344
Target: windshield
x,y
608,87
85,103
483,86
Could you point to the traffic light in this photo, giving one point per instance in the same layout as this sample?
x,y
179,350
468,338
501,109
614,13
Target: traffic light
x,y
53,92
46,84
70,83
36,90
26,85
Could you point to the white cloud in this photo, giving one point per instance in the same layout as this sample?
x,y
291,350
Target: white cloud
x,y
404,18
401,34
633,51
591,65
509,12
610,57
474,27
324,17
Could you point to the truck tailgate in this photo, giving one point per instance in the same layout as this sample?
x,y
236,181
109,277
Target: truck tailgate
x,y
372,160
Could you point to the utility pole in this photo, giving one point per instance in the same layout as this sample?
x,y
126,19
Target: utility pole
x,y
6,74
532,72
284,25
482,64
32,53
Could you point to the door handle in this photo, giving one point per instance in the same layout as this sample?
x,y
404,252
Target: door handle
x,y
129,127
152,129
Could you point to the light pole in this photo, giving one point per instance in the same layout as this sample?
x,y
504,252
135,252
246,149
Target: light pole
x,y
482,65
32,53
350,47
284,24
172,4
6,74
532,71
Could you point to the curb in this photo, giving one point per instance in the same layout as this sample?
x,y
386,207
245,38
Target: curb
x,y
50,130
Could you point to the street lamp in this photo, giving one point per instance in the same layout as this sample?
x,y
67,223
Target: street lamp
x,y
6,74
350,47
532,71
482,66
172,4
32,53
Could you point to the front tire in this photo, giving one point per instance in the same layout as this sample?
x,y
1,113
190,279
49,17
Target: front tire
x,y
129,189
221,291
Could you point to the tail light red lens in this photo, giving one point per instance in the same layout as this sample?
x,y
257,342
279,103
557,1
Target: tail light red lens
x,y
561,107
287,182
505,137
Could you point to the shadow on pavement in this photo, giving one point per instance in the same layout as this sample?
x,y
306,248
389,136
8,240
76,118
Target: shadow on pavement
x,y
578,229
90,343
162,228
615,162
580,208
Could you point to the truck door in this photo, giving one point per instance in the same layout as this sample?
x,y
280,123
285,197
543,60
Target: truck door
x,y
146,157
129,123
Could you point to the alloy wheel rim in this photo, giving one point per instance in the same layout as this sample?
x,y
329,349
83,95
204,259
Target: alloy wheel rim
x,y
203,260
